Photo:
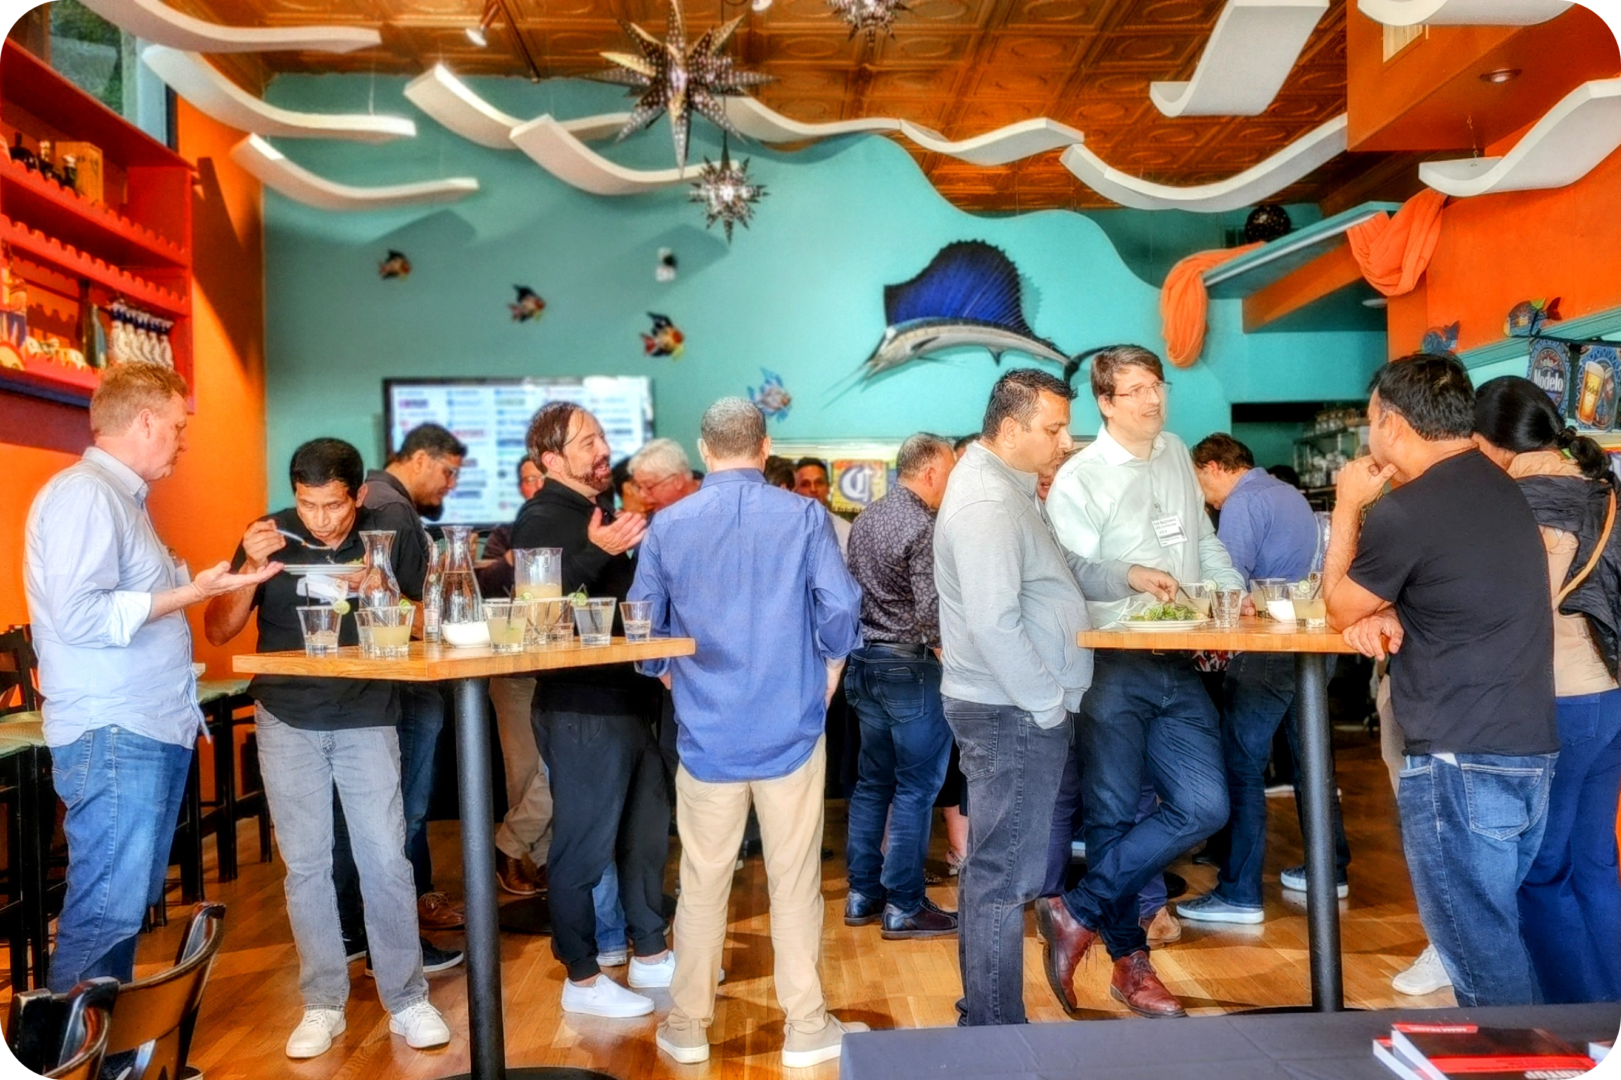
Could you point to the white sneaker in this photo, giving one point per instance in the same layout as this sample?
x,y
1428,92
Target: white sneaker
x,y
803,1051
1426,975
313,1035
421,1025
604,998
654,976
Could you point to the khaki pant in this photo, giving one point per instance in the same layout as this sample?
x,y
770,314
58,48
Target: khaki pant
x,y
710,818
527,828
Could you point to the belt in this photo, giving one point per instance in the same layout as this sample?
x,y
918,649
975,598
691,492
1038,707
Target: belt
x,y
912,650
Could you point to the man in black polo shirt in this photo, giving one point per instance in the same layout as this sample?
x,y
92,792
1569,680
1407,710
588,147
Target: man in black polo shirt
x,y
315,734
610,803
1448,573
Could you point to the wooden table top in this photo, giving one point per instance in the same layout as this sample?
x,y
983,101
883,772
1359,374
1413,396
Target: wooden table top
x,y
433,663
1250,635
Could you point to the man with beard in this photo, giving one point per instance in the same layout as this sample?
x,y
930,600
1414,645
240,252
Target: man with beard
x,y
610,803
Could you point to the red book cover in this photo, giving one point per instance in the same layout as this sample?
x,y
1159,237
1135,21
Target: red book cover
x,y
1445,1051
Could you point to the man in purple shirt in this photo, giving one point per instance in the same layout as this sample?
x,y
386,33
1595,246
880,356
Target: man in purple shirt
x,y
1269,530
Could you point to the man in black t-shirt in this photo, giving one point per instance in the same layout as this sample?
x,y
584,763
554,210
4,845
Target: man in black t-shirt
x,y
1448,574
315,734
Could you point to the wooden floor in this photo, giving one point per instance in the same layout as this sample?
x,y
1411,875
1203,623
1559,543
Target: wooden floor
x,y
252,1000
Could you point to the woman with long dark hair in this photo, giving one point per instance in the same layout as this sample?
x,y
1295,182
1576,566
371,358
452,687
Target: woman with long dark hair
x,y
1570,902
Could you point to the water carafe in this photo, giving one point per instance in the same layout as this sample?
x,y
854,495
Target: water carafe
x,y
379,588
433,593
462,614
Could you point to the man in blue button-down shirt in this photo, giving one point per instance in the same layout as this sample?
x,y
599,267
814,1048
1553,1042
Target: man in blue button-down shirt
x,y
107,599
752,573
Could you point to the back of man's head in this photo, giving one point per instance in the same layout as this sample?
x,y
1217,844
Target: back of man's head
x,y
437,441
1431,392
1017,395
733,429
1225,451
127,390
321,461
918,451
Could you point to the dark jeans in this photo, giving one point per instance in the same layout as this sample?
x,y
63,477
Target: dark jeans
x,y
610,804
1146,717
905,744
1570,902
422,717
1011,767
1258,694
1068,824
1470,828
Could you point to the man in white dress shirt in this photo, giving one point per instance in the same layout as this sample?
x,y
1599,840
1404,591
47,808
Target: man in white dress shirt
x,y
1132,496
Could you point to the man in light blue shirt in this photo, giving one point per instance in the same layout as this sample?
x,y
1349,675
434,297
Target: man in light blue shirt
x,y
106,599
1270,531
1132,495
753,574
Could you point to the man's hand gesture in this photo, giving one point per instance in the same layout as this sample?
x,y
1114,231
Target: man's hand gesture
x,y
624,534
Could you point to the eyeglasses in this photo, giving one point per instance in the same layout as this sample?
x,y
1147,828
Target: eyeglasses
x,y
1138,393
649,485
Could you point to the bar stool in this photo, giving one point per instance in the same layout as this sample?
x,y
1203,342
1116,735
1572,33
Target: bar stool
x,y
25,786
221,701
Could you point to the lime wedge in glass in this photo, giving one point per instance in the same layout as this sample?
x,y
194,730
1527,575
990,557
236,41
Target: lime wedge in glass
x,y
341,607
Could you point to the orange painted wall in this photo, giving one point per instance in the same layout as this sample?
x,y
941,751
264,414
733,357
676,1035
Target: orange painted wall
x,y
1496,250
219,483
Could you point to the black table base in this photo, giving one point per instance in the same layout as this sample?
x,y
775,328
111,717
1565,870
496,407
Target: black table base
x,y
531,915
1317,796
541,1072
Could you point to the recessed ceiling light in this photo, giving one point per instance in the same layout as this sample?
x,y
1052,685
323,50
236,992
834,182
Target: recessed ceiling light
x,y
1374,302
1498,76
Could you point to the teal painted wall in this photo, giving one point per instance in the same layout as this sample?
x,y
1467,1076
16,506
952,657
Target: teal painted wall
x,y
799,294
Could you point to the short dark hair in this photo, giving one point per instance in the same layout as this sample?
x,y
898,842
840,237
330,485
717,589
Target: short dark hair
x,y
1286,473
963,441
436,440
732,428
779,471
804,462
1516,414
1431,392
517,470
918,450
621,474
320,461
1016,396
1224,450
548,431
1106,364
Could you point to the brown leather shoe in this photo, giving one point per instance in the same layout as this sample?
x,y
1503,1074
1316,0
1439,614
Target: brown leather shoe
x,y
1162,929
1064,944
435,911
535,874
1135,985
510,877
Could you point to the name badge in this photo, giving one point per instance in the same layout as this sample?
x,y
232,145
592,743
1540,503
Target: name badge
x,y
1169,531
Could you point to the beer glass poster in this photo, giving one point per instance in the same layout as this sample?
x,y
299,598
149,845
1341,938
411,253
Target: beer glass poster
x,y
1595,375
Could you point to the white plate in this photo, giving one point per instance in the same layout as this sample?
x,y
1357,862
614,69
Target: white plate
x,y
322,569
1161,626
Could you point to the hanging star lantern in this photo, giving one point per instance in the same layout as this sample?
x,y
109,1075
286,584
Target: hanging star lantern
x,y
679,79
727,193
868,15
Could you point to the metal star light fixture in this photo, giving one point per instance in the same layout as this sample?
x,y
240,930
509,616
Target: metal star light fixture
x,y
679,79
868,15
727,193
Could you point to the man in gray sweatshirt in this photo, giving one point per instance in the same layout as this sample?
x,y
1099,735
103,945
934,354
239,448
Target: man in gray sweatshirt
x,y
1011,602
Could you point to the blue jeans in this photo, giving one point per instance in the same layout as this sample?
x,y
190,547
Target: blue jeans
x,y
123,794
1146,717
610,912
1570,902
1068,825
1258,694
905,745
1011,767
1470,831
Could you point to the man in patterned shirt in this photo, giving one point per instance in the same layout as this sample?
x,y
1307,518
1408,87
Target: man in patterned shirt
x,y
893,683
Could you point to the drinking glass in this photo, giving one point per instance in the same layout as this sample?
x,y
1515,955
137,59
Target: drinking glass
x,y
1199,595
560,634
595,619
1258,592
1225,606
1310,608
1279,605
389,629
638,618
320,624
508,622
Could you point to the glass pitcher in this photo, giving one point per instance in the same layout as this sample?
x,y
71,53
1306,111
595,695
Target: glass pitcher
x,y
379,588
462,604
537,580
1323,518
433,593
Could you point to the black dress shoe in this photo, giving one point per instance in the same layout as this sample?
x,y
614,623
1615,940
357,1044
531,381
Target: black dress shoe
x,y
927,922
861,910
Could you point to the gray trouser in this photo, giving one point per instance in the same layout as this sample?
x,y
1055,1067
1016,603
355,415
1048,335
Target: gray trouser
x,y
527,828
300,768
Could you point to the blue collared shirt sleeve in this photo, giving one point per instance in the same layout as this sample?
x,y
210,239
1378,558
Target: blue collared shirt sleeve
x,y
650,584
835,597
77,578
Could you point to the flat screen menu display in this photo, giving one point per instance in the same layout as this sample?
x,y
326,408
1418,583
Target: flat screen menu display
x,y
492,417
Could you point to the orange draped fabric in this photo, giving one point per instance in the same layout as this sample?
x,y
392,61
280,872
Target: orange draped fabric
x,y
1183,303
1393,252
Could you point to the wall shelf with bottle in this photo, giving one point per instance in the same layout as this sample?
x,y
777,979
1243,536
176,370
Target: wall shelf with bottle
x,y
95,238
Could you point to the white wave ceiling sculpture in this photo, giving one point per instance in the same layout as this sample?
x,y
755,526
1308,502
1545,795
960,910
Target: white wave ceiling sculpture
x,y
273,170
1005,145
1251,186
554,148
206,87
157,22
1251,51
451,102
1561,148
1462,12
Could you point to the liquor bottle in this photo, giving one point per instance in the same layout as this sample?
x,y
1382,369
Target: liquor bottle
x,y
70,172
21,154
46,167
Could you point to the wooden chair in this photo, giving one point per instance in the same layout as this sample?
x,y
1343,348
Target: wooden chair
x,y
155,1016
63,1036
19,691
224,703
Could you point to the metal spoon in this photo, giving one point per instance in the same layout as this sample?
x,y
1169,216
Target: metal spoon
x,y
307,543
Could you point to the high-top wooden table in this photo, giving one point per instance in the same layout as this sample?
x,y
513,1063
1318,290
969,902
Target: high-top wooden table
x,y
1311,648
470,670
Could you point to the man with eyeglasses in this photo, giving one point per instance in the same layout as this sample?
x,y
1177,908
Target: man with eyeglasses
x,y
663,473
1147,724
